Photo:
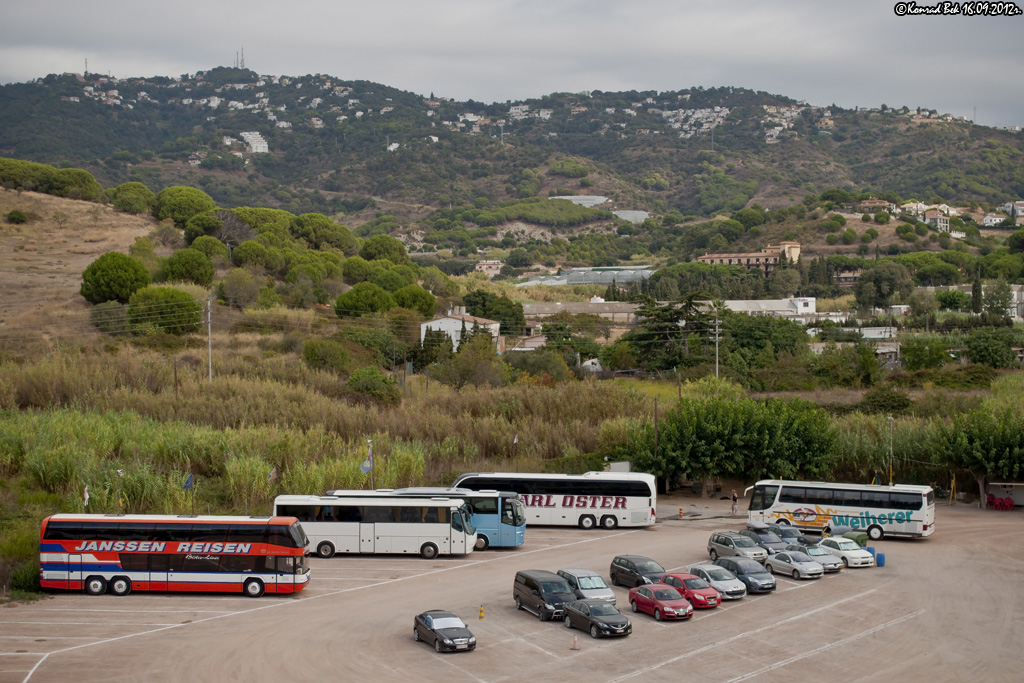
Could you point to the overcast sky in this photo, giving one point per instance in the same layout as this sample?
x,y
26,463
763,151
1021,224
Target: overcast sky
x,y
849,52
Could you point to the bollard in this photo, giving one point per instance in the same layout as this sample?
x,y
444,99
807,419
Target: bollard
x,y
680,513
481,617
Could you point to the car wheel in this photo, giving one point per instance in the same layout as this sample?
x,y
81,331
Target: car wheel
x,y
770,568
587,522
567,621
657,615
845,563
437,645
428,551
593,632
325,549
609,522
615,579
253,588
540,614
633,605
875,532
120,585
482,542
519,603
714,554
796,574
95,585
415,634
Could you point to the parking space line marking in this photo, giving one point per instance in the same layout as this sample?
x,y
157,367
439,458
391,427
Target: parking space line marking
x,y
818,650
48,637
738,636
84,623
302,598
136,611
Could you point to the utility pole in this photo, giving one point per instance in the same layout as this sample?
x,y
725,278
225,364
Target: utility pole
x,y
655,428
890,448
716,343
209,334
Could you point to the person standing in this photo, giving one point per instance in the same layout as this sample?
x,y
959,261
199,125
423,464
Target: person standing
x,y
735,501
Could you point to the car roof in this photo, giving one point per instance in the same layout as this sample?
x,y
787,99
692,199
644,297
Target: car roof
x,y
681,575
437,613
539,574
729,533
632,557
591,602
579,572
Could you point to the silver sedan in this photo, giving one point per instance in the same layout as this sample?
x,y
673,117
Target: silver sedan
x,y
828,561
721,579
799,565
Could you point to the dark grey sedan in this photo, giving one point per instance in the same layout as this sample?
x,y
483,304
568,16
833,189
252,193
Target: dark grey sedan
x,y
599,617
446,631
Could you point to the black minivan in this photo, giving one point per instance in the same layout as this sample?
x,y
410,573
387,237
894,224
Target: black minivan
x,y
542,593
751,572
634,570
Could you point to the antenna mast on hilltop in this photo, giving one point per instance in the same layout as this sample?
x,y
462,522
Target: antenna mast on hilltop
x,y
242,65
86,67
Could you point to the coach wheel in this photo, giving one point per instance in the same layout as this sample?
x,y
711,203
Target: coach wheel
x,y
120,585
609,522
428,551
875,532
482,542
784,522
325,549
254,588
587,522
95,585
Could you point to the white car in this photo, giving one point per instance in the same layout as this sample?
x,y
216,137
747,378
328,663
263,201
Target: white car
x,y
828,561
721,579
849,552
797,564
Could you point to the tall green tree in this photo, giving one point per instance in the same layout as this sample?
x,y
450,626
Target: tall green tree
x,y
113,277
883,285
180,203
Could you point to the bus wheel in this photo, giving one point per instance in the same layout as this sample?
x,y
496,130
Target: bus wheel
x,y
325,549
875,532
587,522
95,585
253,588
428,551
120,585
609,522
482,542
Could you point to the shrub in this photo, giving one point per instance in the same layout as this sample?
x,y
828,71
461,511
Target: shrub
x,y
418,299
133,197
211,246
16,217
113,277
165,309
325,354
249,253
203,224
109,317
240,288
373,382
25,577
189,265
180,203
885,400
832,238
365,297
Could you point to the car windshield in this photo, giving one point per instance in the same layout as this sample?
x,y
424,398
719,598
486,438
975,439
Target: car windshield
x,y
800,557
720,575
667,594
848,545
749,566
603,610
592,583
448,622
555,587
743,542
649,567
696,584
816,551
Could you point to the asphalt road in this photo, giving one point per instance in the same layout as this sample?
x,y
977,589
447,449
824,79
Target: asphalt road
x,y
944,608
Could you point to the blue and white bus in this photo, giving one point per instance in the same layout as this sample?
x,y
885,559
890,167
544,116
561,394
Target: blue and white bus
x,y
498,516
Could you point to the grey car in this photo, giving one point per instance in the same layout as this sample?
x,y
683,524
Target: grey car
x,y
828,561
766,539
587,585
795,563
792,535
721,579
731,544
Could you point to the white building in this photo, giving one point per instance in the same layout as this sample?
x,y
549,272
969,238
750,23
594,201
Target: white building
x,y
453,324
255,141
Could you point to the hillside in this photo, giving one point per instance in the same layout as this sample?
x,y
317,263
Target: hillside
x,y
337,146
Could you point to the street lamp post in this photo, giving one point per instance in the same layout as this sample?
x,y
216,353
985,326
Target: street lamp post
x,y
890,449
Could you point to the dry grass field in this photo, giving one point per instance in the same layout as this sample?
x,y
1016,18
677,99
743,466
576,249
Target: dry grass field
x,y
41,261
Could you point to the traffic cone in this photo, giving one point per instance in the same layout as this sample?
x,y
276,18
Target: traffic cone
x,y
481,617
680,513
575,642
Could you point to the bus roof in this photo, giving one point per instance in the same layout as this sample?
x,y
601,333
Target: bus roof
x,y
173,519
367,500
611,476
428,491
845,485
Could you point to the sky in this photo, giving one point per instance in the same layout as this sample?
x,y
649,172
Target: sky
x,y
843,52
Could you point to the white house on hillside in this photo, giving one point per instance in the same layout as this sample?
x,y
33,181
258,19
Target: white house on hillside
x,y
453,324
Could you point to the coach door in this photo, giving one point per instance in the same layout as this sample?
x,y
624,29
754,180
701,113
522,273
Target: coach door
x,y
158,569
366,538
74,571
458,542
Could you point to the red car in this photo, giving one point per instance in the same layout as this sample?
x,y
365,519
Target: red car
x,y
664,602
695,589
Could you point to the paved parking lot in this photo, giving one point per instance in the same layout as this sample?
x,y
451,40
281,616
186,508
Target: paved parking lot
x,y
943,608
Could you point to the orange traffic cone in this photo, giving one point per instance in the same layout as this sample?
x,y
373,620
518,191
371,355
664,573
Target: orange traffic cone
x,y
575,642
481,617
